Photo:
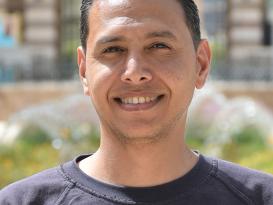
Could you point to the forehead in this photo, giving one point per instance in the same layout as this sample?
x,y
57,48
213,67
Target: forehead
x,y
138,7
153,14
163,10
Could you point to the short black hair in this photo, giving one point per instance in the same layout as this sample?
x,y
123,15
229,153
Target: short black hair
x,y
189,7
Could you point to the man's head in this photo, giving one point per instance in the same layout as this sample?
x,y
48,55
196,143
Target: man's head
x,y
141,67
190,11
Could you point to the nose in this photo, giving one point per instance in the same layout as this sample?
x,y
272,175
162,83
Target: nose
x,y
137,71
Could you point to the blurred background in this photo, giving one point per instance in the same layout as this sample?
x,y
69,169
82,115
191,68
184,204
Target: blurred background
x,y
46,120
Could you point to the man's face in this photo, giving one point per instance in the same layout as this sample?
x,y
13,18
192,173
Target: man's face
x,y
140,67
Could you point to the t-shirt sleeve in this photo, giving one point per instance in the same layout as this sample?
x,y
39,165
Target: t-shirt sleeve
x,y
254,184
12,195
42,188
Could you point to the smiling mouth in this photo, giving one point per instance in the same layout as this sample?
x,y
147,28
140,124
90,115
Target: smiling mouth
x,y
135,103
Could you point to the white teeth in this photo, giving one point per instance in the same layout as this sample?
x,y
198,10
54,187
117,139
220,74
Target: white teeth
x,y
141,100
137,100
148,99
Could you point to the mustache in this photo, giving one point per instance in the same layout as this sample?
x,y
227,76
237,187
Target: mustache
x,y
136,88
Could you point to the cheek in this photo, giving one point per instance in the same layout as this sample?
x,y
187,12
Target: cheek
x,y
99,79
178,69
179,75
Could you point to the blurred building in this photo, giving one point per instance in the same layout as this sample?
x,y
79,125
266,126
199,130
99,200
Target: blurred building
x,y
249,26
241,32
38,39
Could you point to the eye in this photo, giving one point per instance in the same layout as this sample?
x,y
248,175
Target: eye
x,y
113,49
160,46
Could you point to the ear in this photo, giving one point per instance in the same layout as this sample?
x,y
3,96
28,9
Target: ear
x,y
203,55
82,69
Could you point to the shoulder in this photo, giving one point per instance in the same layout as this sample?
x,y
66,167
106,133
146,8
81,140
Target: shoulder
x,y
256,185
46,185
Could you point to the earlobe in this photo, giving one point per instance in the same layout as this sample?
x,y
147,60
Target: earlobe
x,y
82,70
203,63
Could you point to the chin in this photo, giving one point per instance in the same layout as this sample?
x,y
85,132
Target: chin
x,y
143,132
141,136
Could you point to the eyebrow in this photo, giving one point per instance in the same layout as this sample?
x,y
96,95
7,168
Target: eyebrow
x,y
164,34
111,39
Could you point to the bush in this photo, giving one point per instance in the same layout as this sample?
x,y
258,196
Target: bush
x,y
34,151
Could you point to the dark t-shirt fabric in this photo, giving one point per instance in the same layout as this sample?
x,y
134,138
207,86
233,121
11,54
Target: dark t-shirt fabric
x,y
210,182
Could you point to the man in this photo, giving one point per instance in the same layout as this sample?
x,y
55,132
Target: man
x,y
140,62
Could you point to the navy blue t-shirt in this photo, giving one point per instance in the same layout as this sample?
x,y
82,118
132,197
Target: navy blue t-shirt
x,y
210,182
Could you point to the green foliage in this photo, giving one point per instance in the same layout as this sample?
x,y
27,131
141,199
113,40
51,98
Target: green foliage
x,y
33,151
195,143
248,147
249,135
260,160
243,143
33,135
74,144
219,53
23,160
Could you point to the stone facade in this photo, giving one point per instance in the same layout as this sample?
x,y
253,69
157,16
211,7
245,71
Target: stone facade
x,y
41,32
246,21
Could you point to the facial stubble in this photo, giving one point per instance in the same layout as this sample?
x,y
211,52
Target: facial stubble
x,y
130,136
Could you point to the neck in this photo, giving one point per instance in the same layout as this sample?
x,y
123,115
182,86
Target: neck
x,y
136,164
